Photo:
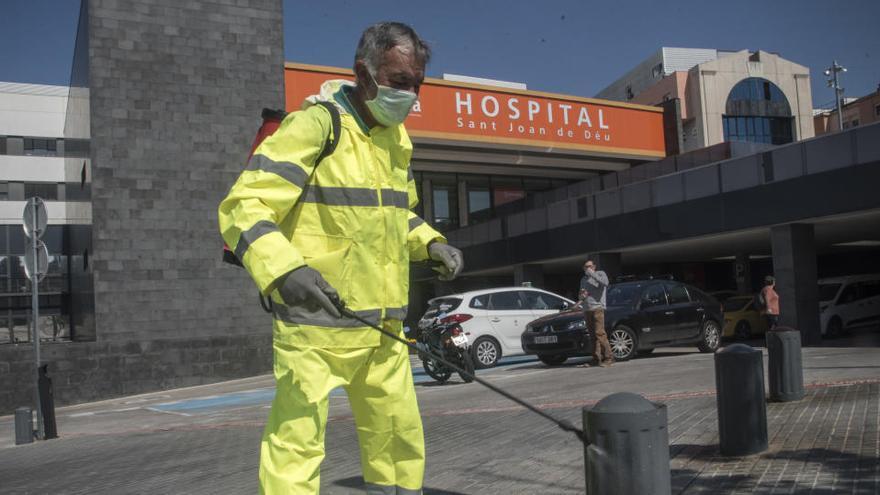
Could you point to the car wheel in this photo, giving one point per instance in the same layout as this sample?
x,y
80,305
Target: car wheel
x,y
552,359
710,338
487,352
835,327
743,330
623,343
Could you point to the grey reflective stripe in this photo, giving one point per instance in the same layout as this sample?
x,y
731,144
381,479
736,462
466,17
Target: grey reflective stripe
x,y
396,313
318,317
400,199
354,196
250,236
290,172
341,196
374,489
414,222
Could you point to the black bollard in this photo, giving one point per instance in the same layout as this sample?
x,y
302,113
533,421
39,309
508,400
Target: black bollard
x,y
742,411
785,371
24,426
628,451
47,404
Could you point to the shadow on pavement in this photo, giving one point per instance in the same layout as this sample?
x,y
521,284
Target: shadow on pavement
x,y
357,482
851,473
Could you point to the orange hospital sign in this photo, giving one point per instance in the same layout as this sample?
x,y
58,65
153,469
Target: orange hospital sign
x,y
469,112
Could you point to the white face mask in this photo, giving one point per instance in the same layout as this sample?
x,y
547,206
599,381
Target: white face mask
x,y
390,106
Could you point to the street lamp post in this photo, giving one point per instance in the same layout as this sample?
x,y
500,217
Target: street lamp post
x,y
833,82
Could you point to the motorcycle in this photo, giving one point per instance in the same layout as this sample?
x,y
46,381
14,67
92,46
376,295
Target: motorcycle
x,y
448,341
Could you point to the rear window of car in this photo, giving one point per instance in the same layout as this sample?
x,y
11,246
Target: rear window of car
x,y
442,305
677,294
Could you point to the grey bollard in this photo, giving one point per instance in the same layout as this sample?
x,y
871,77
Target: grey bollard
x,y
628,451
785,371
24,426
742,411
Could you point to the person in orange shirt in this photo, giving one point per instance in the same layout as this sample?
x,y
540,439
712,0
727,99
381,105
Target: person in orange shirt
x,y
771,299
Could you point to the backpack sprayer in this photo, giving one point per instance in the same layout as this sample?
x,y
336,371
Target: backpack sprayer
x,y
561,423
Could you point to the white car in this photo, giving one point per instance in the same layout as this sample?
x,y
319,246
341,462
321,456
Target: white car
x,y
494,319
849,301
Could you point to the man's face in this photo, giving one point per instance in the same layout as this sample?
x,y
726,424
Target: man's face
x,y
589,267
399,69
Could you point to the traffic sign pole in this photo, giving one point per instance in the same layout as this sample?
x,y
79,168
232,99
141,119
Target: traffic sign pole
x,y
35,222
35,304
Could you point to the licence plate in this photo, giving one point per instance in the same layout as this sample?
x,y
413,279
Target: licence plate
x,y
460,340
549,339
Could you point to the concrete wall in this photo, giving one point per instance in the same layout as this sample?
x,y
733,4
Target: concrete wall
x,y
176,90
713,81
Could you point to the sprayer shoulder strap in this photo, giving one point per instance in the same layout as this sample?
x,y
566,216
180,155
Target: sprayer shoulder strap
x,y
335,131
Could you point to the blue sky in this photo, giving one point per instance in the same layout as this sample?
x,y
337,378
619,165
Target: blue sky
x,y
565,46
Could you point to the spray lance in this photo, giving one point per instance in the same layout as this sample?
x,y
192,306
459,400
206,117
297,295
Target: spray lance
x,y
561,423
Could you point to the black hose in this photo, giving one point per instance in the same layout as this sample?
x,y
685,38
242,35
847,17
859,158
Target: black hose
x,y
561,423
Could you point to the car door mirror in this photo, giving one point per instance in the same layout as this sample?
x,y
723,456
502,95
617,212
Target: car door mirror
x,y
564,306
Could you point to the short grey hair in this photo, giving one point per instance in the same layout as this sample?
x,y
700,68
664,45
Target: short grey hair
x,y
381,37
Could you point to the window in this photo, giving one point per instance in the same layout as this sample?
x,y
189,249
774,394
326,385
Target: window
x,y
757,111
4,191
40,147
45,191
871,288
657,71
480,302
540,301
654,296
505,301
855,123
444,200
849,294
479,198
677,294
876,110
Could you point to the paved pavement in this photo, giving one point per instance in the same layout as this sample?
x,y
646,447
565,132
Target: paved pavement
x,y
205,439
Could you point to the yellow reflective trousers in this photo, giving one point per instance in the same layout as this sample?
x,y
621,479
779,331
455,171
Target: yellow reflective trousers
x,y
379,384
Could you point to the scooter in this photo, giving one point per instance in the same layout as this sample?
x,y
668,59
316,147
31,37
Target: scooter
x,y
449,342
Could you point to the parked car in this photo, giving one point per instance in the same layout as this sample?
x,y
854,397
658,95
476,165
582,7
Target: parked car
x,y
723,295
742,319
493,319
846,302
641,315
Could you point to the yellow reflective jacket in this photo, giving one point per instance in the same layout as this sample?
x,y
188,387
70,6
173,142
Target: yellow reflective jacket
x,y
349,218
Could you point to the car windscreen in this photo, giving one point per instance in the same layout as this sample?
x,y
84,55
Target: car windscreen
x,y
623,295
828,291
736,303
442,305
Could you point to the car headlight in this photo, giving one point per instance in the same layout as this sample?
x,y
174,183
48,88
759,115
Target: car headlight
x,y
576,325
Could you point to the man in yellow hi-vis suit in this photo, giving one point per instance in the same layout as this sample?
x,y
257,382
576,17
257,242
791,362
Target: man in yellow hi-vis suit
x,y
306,233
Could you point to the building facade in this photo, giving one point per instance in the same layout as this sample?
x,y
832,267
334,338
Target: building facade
x,y
724,95
861,111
